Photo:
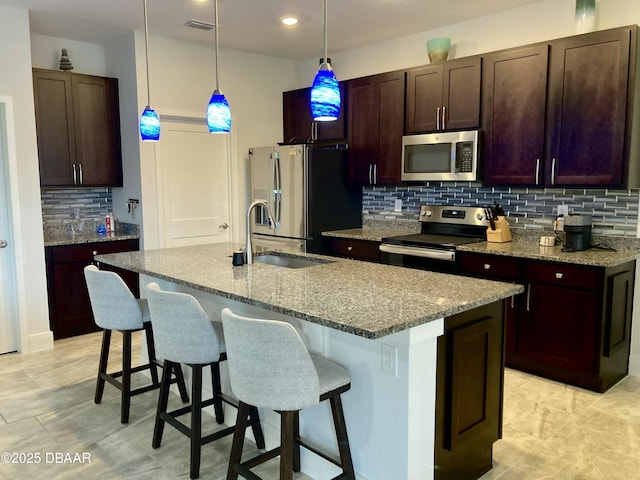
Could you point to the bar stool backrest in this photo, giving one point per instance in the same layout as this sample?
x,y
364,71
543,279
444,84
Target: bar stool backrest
x,y
269,364
181,328
114,306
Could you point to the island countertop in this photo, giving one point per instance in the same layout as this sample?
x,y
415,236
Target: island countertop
x,y
361,298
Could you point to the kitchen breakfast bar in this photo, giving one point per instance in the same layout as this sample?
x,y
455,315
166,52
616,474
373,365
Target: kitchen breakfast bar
x,y
424,350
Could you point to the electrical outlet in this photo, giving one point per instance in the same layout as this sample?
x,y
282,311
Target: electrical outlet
x,y
398,205
563,210
389,360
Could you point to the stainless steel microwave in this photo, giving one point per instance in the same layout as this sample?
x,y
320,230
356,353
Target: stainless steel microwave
x,y
442,156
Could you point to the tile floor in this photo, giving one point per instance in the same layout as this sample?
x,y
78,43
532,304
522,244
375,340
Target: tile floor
x,y
551,431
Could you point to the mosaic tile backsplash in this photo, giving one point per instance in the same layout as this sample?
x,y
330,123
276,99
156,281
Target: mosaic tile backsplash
x,y
59,206
614,212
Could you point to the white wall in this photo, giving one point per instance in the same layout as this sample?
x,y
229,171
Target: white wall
x,y
533,23
87,58
16,82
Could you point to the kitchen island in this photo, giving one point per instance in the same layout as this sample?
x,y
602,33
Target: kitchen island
x,y
381,322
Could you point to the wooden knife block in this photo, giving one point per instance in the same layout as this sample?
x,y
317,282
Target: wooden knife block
x,y
502,233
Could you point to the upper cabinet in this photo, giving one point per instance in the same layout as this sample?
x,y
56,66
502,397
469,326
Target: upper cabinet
x,y
514,108
376,121
560,113
298,124
444,96
78,129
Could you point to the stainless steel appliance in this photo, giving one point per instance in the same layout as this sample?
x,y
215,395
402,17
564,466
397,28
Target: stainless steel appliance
x,y
442,156
443,228
306,189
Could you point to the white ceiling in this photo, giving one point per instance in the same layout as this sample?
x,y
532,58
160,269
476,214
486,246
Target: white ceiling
x,y
253,25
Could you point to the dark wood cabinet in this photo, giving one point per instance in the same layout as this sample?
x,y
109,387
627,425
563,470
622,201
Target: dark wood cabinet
x,y
78,129
299,126
375,127
588,105
69,306
469,392
444,96
352,248
514,108
572,324
560,113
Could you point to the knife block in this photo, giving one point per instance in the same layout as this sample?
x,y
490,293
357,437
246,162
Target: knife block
x,y
502,233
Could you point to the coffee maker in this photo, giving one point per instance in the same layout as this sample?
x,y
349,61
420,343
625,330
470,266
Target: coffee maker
x,y
577,232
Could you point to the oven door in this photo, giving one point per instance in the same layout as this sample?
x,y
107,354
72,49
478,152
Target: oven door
x,y
437,260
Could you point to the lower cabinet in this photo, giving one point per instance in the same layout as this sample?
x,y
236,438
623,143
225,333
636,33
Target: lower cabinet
x,y
69,306
572,323
367,250
469,392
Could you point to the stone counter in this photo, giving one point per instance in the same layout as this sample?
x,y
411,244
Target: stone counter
x,y
365,299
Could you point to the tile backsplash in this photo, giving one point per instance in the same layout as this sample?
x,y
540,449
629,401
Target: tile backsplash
x,y
614,212
59,205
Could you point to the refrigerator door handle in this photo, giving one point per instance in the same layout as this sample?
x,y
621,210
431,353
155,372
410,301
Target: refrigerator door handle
x,y
277,198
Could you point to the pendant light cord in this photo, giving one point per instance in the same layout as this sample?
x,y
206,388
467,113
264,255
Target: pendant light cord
x,y
146,51
215,21
325,31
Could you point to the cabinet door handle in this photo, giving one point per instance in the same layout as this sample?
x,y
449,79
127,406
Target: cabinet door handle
x,y
528,297
553,171
444,118
375,173
370,174
80,169
513,301
537,171
349,248
75,176
559,275
487,266
438,119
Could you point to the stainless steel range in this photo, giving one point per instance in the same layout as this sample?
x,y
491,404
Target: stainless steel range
x,y
443,228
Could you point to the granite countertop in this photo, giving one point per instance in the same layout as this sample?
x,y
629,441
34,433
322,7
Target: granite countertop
x,y
593,257
522,246
362,298
62,235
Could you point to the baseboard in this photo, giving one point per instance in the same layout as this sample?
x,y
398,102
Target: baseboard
x,y
634,365
38,342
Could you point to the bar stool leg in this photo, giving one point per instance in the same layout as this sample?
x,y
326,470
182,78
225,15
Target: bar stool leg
x,y
217,390
254,420
102,367
163,401
296,442
341,435
196,419
238,440
126,377
287,423
151,350
182,387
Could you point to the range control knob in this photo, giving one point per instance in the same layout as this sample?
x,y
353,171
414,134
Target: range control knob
x,y
426,213
479,217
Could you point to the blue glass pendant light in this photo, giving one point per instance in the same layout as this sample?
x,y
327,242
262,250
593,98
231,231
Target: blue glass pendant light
x,y
325,91
218,111
149,120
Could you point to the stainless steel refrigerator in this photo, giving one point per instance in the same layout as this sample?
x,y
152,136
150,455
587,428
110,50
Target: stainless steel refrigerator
x,y
307,191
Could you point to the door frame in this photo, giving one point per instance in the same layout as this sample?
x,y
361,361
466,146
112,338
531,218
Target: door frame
x,y
17,296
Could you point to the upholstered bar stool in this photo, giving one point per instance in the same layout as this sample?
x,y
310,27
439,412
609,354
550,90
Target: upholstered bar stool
x,y
184,334
270,367
115,308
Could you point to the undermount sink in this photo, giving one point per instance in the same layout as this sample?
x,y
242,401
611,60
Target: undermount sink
x,y
289,261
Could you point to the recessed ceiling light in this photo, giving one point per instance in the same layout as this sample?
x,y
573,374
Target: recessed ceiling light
x,y
289,20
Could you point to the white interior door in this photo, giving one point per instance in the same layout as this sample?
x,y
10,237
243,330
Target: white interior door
x,y
193,185
8,294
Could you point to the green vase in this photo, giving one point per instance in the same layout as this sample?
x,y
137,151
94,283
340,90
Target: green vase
x,y
585,16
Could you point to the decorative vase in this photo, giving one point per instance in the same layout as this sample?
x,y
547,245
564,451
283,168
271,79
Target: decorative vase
x,y
438,49
585,16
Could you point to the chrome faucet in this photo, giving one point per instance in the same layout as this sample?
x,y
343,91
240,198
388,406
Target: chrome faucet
x,y
248,247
